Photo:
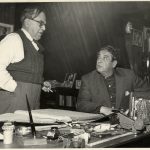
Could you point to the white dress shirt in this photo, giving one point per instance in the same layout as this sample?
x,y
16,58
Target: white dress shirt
x,y
11,51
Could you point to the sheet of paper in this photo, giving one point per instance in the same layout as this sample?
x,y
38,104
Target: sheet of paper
x,y
49,116
42,114
23,118
74,115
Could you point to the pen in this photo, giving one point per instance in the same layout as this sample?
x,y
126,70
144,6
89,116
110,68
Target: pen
x,y
50,90
31,119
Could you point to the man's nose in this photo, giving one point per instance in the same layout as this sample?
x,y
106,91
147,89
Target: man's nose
x,y
43,27
99,60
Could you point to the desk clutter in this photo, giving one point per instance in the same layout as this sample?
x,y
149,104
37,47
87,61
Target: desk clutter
x,y
77,130
73,135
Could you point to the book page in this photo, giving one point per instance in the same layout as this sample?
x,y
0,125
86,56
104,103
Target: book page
x,y
49,116
23,118
64,115
44,114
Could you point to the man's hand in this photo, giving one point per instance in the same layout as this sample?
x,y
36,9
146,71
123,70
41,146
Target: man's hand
x,y
126,112
47,86
106,110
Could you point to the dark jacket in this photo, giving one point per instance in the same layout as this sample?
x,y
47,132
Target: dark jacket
x,y
93,92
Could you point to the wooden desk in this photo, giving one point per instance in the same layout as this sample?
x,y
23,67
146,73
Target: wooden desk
x,y
17,144
134,141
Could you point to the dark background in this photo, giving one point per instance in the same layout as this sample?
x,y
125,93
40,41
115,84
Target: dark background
x,y
77,30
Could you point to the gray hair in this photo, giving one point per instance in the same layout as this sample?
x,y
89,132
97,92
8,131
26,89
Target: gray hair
x,y
31,12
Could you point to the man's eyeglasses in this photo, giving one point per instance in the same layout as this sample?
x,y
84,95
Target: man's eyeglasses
x,y
41,23
104,58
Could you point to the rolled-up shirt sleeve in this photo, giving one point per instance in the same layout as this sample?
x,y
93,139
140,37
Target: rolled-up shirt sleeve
x,y
11,51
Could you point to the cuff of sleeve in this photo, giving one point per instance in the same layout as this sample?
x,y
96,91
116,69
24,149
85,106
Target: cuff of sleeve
x,y
10,86
97,110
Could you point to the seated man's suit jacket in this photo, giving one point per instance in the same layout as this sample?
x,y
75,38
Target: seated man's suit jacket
x,y
93,92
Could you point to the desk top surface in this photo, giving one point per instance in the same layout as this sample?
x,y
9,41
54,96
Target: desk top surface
x,y
94,142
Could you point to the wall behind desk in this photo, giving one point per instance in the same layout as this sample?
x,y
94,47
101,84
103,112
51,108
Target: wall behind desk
x,y
77,30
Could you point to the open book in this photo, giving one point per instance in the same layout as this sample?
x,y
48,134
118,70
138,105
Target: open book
x,y
48,116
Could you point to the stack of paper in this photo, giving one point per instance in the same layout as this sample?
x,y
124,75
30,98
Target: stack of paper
x,y
48,116
23,118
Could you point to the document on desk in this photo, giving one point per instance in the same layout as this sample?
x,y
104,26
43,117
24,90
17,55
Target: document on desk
x,y
49,116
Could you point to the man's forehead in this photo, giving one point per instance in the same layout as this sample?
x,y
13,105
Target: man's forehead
x,y
41,15
104,52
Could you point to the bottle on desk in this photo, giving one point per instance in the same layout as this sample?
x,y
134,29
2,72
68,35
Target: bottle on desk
x,y
8,129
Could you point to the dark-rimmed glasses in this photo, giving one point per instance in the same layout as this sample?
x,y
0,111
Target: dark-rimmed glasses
x,y
41,23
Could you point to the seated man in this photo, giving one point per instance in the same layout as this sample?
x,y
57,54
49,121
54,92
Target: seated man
x,y
108,87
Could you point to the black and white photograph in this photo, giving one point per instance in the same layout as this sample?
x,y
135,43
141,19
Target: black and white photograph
x,y
74,74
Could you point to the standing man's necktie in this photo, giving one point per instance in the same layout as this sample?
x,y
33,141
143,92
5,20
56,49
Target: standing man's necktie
x,y
35,45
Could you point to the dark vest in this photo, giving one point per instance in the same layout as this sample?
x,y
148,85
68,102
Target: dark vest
x,y
30,69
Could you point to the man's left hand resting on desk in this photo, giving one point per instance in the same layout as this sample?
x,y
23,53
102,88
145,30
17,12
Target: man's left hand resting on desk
x,y
108,111
105,110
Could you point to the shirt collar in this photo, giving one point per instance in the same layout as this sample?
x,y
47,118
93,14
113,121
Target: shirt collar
x,y
30,38
27,34
111,76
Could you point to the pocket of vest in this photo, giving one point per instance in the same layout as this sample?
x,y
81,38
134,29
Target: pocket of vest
x,y
5,92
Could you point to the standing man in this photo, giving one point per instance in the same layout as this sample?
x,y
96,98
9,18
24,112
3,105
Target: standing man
x,y
108,87
21,63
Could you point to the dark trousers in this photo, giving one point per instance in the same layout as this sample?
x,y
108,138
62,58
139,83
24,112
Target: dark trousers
x,y
11,101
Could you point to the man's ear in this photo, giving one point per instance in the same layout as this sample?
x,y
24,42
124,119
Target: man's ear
x,y
114,63
27,22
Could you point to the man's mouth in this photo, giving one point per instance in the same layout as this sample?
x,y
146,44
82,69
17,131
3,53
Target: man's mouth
x,y
99,66
41,33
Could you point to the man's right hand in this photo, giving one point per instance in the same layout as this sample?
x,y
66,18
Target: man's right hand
x,y
47,86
